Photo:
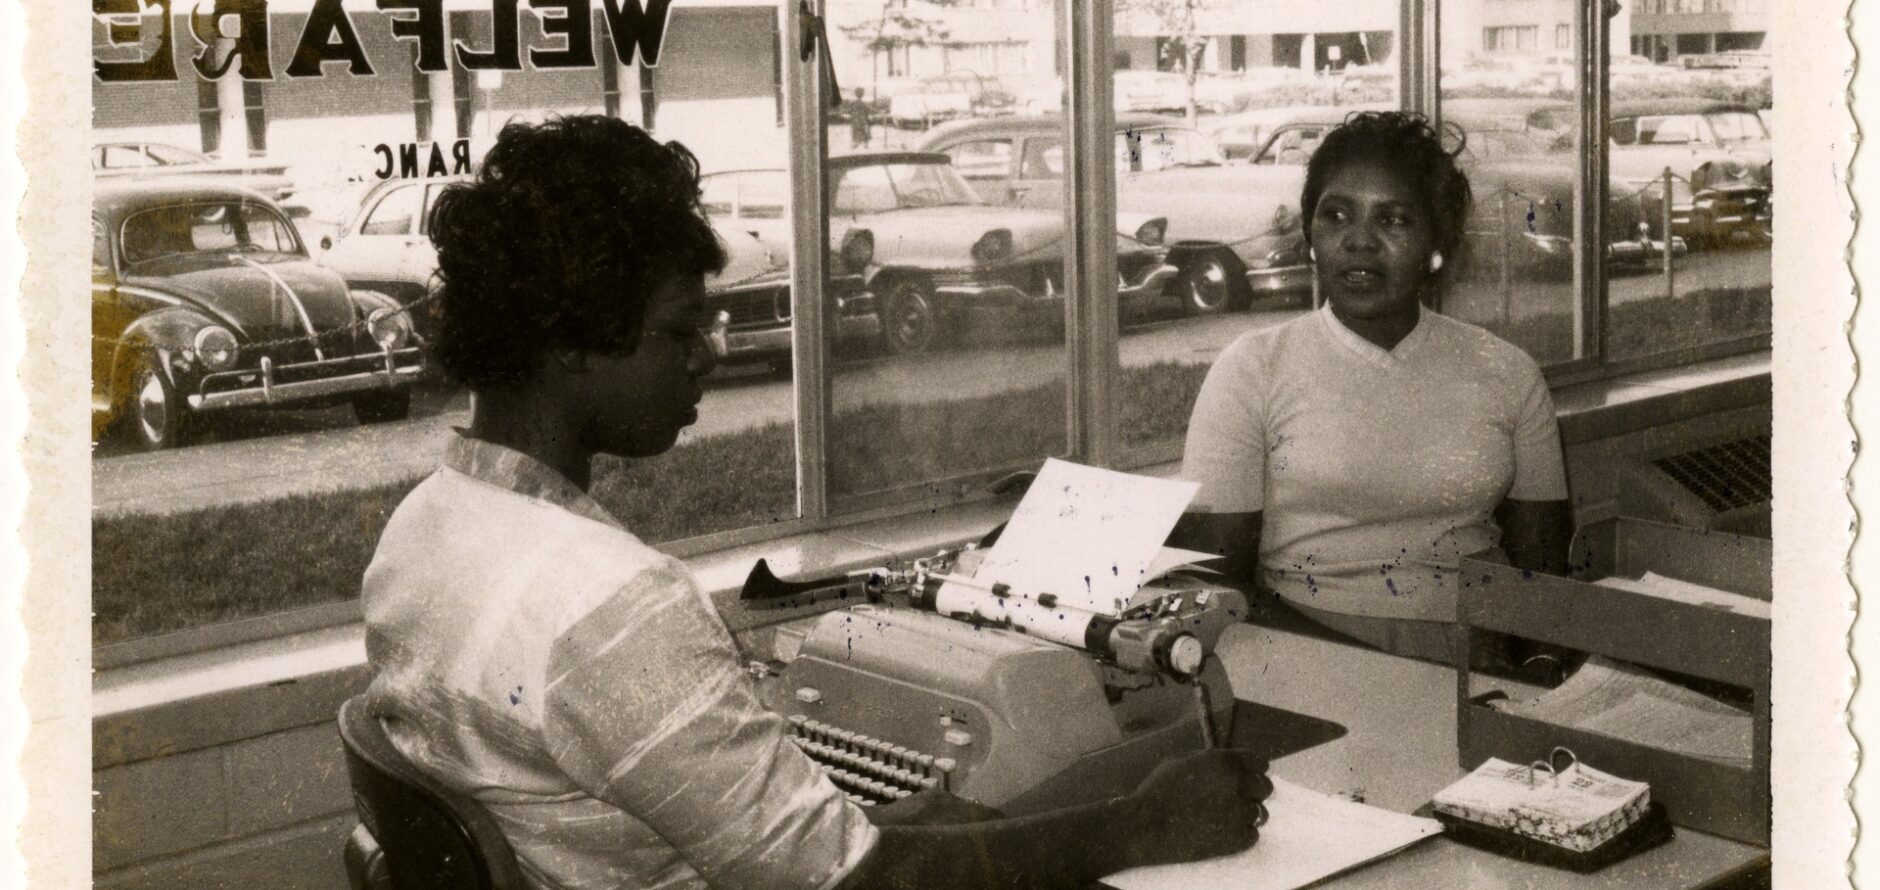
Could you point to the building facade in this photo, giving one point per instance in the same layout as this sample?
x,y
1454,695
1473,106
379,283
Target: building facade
x,y
720,62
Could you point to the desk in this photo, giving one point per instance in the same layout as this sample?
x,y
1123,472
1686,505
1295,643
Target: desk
x,y
1400,748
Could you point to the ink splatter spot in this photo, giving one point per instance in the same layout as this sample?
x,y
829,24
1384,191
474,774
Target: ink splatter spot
x,y
1392,585
515,698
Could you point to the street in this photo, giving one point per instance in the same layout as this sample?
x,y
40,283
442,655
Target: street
x,y
260,455
253,455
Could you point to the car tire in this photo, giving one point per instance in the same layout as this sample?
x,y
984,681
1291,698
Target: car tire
x,y
155,418
1209,284
909,322
382,406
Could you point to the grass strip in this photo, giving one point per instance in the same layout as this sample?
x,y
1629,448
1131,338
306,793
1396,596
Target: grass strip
x,y
154,573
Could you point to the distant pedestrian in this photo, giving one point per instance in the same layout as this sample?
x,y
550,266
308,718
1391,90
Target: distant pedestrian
x,y
861,126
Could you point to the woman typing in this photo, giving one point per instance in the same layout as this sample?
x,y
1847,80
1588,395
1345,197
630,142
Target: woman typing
x,y
531,653
1349,458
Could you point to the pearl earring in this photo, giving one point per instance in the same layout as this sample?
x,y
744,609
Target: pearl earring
x,y
1436,262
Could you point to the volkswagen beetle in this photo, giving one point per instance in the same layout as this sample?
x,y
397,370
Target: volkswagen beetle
x,y
204,299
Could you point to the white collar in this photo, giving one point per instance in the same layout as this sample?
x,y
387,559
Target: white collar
x,y
1371,352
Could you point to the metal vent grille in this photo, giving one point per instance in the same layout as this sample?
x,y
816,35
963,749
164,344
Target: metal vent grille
x,y
1727,476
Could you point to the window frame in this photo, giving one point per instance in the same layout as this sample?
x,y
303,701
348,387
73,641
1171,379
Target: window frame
x,y
1084,33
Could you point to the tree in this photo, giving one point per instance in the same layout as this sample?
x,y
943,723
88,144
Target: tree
x,y
902,25
1182,43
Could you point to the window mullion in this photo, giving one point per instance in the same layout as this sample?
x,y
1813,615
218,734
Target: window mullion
x,y
1090,304
1591,186
807,136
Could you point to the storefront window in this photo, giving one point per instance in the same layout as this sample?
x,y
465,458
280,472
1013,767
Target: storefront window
x,y
956,364
948,234
220,493
1217,111
1700,136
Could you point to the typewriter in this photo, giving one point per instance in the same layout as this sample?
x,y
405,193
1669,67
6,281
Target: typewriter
x,y
924,678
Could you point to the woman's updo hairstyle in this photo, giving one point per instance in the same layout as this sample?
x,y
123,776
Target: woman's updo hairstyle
x,y
559,243
1405,144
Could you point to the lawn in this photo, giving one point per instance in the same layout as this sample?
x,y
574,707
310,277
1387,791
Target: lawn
x,y
157,573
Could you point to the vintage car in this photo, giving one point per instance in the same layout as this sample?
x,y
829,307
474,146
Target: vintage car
x,y
204,299
385,246
111,160
1233,231
1244,133
1521,222
939,252
946,97
1718,156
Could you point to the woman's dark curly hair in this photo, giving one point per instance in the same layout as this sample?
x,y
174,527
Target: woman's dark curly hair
x,y
559,243
1408,146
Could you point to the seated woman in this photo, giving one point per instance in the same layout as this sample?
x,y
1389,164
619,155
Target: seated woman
x,y
534,655
1350,457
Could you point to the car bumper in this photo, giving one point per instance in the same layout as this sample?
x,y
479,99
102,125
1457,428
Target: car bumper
x,y
1643,250
759,339
1279,279
273,384
999,294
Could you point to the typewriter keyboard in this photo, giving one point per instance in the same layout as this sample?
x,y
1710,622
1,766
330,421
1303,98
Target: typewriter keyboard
x,y
868,769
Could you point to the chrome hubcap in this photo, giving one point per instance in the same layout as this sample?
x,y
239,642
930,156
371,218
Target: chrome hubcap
x,y
153,410
1209,285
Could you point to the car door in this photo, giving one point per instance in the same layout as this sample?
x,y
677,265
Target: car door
x,y
389,250
763,208
1643,147
1039,182
986,165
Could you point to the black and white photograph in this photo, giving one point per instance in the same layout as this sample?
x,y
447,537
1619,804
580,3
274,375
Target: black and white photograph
x,y
850,444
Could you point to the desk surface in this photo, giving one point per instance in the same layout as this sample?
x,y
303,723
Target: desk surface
x,y
1400,748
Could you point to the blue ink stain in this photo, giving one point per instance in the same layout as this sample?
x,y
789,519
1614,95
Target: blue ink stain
x,y
515,698
1392,585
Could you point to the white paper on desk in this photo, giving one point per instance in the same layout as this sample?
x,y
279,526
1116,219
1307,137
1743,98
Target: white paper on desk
x,y
1309,836
1624,701
1664,587
1087,534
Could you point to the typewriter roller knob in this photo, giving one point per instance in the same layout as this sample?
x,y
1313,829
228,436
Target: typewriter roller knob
x,y
1184,655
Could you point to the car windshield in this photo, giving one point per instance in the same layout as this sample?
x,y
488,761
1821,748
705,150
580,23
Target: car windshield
x,y
1736,126
877,188
197,228
170,155
1160,148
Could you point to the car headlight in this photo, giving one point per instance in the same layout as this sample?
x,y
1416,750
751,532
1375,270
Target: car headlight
x,y
993,246
389,327
858,249
1152,232
217,348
